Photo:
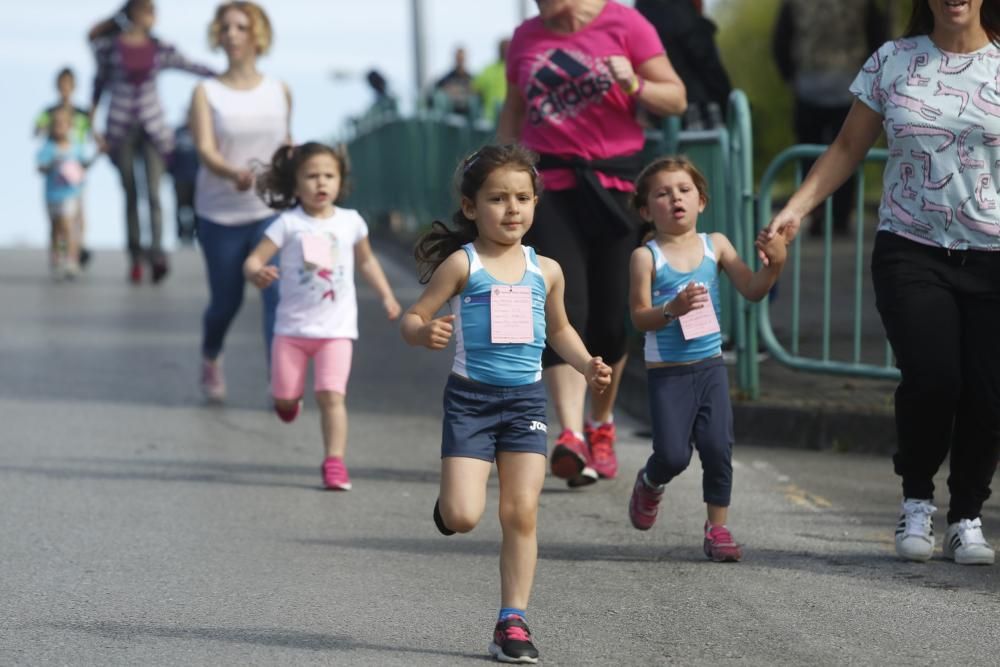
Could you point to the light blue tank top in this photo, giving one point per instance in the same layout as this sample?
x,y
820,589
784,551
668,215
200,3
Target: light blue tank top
x,y
476,356
668,343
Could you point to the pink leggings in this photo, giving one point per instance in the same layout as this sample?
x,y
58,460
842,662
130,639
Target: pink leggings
x,y
290,358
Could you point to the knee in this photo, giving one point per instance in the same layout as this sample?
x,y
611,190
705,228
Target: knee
x,y
458,517
941,387
329,400
519,514
671,463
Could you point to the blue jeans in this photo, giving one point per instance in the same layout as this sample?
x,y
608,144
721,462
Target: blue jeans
x,y
226,247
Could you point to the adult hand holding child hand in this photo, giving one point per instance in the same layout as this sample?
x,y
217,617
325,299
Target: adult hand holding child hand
x,y
598,374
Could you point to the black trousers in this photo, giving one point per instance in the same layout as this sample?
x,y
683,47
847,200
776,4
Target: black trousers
x,y
574,228
941,312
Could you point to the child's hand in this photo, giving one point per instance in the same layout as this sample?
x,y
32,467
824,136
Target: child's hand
x,y
692,297
775,249
436,333
265,276
598,374
392,307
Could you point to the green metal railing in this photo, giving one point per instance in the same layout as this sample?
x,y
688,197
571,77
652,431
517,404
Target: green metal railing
x,y
792,354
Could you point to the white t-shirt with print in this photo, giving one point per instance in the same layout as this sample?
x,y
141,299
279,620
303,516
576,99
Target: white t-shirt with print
x,y
317,302
941,116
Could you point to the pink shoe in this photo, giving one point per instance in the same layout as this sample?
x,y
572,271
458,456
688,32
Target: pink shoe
x,y
644,503
720,545
335,474
213,384
288,416
601,441
569,456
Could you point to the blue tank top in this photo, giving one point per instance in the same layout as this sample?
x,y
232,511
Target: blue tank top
x,y
668,343
476,356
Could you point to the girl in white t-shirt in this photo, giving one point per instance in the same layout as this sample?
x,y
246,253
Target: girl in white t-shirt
x,y
320,244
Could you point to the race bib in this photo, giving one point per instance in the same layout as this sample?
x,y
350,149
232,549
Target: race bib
x,y
700,322
71,172
316,251
511,318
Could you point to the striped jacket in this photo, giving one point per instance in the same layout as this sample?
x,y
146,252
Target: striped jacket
x,y
134,98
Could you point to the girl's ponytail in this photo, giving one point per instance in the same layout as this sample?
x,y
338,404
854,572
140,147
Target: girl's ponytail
x,y
440,241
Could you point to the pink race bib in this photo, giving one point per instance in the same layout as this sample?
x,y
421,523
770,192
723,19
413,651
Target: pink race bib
x,y
317,252
71,171
700,322
511,319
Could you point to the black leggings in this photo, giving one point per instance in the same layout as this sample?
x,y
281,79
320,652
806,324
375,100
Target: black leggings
x,y
941,312
573,228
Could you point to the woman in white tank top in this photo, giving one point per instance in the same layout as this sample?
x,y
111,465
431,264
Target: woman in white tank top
x,y
238,120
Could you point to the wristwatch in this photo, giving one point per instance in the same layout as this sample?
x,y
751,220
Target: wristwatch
x,y
667,316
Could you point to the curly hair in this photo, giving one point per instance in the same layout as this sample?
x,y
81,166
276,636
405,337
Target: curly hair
x,y
276,186
260,25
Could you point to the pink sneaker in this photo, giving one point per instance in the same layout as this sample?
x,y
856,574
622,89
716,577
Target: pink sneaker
x,y
335,474
644,503
569,456
288,416
720,545
213,384
601,441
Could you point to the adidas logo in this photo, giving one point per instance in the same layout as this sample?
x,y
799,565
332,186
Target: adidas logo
x,y
563,85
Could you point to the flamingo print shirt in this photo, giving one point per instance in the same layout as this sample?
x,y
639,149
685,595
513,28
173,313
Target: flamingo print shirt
x,y
316,261
941,115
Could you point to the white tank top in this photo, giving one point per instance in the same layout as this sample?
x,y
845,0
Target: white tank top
x,y
249,127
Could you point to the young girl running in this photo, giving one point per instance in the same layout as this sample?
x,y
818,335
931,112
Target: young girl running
x,y
505,302
317,318
63,161
674,298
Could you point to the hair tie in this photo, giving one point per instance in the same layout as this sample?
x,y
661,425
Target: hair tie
x,y
469,161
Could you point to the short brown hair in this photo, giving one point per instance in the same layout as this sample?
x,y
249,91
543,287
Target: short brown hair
x,y
668,163
260,25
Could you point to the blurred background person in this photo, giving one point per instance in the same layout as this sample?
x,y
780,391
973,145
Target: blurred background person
x,y
455,87
129,58
689,38
238,120
80,131
819,45
491,84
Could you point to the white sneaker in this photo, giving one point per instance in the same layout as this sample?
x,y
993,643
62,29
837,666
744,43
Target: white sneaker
x,y
964,543
915,530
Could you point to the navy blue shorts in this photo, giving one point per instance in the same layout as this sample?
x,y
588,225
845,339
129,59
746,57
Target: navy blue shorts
x,y
483,419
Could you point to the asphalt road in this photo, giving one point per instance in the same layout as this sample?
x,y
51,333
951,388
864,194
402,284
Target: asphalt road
x,y
139,526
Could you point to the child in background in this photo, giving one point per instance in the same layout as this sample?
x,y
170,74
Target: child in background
x,y
80,132
674,298
63,162
505,302
320,245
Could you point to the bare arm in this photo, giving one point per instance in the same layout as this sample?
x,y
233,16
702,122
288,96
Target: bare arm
x,y
511,115
753,286
859,132
561,335
663,92
419,327
646,316
256,267
371,270
288,99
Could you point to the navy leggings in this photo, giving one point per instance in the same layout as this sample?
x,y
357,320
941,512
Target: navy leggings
x,y
226,247
689,405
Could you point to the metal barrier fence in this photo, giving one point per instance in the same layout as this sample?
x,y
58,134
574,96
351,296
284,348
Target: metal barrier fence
x,y
407,164
792,355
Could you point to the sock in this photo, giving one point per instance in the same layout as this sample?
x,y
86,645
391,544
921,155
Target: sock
x,y
647,482
595,424
511,611
578,435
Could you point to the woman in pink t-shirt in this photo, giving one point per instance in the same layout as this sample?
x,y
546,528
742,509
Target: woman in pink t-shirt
x,y
577,74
